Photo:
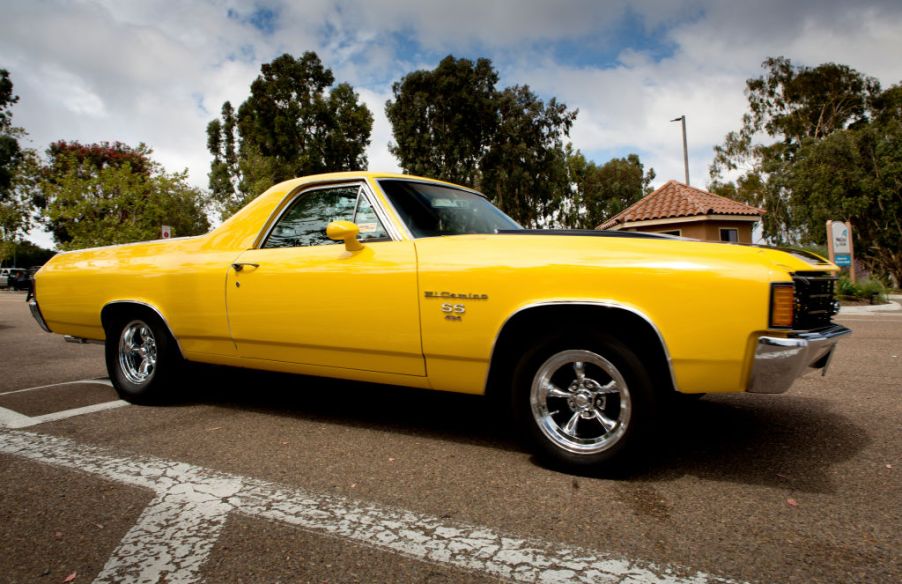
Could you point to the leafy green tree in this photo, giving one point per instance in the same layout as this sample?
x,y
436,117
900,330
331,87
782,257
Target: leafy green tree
x,y
10,151
82,160
62,154
453,123
27,254
16,178
764,186
854,175
602,191
222,140
445,120
524,171
18,206
291,125
790,105
832,152
102,194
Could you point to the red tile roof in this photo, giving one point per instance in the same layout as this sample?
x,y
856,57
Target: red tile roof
x,y
675,199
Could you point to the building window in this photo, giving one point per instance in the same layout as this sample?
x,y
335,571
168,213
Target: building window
x,y
677,232
731,235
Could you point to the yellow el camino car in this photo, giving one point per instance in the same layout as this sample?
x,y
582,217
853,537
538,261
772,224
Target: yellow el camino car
x,y
410,281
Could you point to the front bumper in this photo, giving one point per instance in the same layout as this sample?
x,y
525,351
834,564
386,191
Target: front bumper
x,y
780,361
36,310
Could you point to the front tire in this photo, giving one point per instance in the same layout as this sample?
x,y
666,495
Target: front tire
x,y
141,358
583,403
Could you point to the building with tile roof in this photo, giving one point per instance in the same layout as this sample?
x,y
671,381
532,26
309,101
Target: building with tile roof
x,y
679,209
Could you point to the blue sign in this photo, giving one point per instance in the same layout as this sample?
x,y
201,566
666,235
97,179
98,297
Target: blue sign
x,y
843,259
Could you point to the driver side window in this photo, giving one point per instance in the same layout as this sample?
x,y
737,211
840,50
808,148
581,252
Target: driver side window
x,y
305,221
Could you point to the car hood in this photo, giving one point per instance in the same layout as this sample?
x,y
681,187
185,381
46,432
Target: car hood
x,y
605,247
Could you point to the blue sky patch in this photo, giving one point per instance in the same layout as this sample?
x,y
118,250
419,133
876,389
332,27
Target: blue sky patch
x,y
603,49
261,18
198,98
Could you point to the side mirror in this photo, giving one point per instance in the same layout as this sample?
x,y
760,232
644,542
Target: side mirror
x,y
345,231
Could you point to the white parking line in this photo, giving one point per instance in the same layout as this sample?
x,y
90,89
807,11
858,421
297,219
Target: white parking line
x,y
99,380
11,419
199,500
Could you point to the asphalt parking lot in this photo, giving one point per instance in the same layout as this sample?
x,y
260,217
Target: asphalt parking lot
x,y
258,477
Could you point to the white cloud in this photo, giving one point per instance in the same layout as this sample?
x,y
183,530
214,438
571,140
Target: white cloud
x,y
73,93
378,156
628,109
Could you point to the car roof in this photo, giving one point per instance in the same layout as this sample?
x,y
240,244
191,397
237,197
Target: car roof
x,y
362,174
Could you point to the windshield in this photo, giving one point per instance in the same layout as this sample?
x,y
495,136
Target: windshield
x,y
429,209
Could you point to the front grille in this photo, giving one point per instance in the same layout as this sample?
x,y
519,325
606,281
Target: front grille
x,y
815,299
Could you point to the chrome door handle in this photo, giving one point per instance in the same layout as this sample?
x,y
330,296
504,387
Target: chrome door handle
x,y
238,266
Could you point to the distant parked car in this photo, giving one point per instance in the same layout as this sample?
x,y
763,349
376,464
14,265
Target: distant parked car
x,y
11,277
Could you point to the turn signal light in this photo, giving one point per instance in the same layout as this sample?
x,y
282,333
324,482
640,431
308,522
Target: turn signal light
x,y
782,305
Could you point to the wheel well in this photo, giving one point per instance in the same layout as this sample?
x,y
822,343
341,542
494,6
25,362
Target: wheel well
x,y
522,330
119,311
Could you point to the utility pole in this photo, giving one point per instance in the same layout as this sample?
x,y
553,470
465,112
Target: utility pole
x,y
682,118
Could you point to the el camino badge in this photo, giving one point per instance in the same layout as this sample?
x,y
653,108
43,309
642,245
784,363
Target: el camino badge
x,y
453,296
454,311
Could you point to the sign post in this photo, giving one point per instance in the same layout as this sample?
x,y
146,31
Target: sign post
x,y
839,245
166,232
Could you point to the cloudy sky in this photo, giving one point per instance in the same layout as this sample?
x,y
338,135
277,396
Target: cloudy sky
x,y
158,71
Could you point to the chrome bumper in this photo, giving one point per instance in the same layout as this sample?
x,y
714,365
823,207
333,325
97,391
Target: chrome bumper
x,y
36,313
81,340
780,361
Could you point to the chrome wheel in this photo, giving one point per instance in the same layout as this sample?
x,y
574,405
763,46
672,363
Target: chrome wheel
x,y
580,401
137,352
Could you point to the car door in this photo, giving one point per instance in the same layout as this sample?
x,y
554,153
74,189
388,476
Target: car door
x,y
300,297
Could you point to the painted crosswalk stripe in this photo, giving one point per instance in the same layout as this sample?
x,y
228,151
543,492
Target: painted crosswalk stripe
x,y
199,500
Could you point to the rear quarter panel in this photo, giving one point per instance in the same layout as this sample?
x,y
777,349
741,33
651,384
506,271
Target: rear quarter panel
x,y
182,279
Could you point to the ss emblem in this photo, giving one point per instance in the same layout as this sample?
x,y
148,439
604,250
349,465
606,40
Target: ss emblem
x,y
453,308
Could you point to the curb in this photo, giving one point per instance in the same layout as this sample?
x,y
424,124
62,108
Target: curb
x,y
893,306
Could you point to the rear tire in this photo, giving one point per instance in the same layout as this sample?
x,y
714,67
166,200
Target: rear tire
x,y
141,358
583,403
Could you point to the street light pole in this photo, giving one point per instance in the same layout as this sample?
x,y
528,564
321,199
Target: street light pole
x,y
682,118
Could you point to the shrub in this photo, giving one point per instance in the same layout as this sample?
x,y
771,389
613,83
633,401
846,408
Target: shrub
x,y
871,290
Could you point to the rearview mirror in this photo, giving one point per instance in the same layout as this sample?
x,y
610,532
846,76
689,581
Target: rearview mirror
x,y
345,231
